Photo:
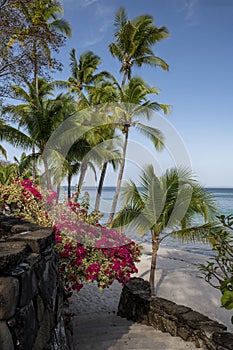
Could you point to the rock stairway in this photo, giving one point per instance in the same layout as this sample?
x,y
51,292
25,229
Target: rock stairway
x,y
106,331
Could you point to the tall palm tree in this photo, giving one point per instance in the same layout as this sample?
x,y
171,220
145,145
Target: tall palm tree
x,y
40,35
133,105
169,202
101,93
133,42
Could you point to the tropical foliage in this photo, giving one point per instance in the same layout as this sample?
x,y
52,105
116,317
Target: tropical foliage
x,y
134,105
39,115
7,172
30,32
169,202
88,251
133,42
23,198
91,252
218,271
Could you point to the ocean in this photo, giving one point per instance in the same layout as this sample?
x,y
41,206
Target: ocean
x,y
224,201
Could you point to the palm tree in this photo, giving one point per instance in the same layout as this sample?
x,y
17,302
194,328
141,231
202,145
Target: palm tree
x,y
40,35
38,116
84,69
166,203
133,42
133,105
97,144
24,166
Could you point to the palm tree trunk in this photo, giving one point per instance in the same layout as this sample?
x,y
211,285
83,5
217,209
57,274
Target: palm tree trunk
x,y
33,163
100,186
69,186
47,175
83,169
58,192
155,248
37,94
124,80
35,67
120,175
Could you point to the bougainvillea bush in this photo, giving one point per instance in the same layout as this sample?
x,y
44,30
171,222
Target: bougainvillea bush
x,y
88,251
24,198
91,252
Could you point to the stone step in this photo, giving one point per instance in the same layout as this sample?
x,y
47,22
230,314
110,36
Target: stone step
x,y
105,331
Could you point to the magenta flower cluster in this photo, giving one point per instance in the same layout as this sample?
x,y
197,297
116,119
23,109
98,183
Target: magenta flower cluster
x,y
87,250
29,187
92,252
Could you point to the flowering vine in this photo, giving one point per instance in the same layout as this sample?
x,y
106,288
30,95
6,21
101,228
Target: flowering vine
x,y
88,251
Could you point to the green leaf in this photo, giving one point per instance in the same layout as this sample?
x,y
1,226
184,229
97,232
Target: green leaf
x,y
227,300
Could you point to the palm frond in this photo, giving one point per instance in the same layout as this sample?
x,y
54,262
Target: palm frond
x,y
153,134
3,151
197,233
130,194
151,61
120,20
123,220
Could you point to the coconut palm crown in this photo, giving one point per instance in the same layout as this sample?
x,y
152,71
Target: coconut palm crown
x,y
133,42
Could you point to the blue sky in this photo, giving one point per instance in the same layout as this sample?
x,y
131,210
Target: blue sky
x,y
199,85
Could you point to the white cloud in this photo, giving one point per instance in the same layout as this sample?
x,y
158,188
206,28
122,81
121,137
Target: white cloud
x,y
86,3
91,42
104,17
190,10
81,3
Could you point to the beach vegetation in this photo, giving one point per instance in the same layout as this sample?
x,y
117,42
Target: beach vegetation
x,y
39,114
87,251
7,172
165,206
218,271
29,54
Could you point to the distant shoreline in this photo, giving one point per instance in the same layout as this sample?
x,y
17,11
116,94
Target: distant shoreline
x,y
108,188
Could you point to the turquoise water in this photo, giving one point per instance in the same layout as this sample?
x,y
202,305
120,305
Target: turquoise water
x,y
224,201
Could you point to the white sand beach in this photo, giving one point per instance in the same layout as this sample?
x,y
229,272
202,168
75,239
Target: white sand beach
x,y
176,279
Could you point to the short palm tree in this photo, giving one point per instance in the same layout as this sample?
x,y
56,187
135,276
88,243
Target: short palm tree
x,y
134,41
169,202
